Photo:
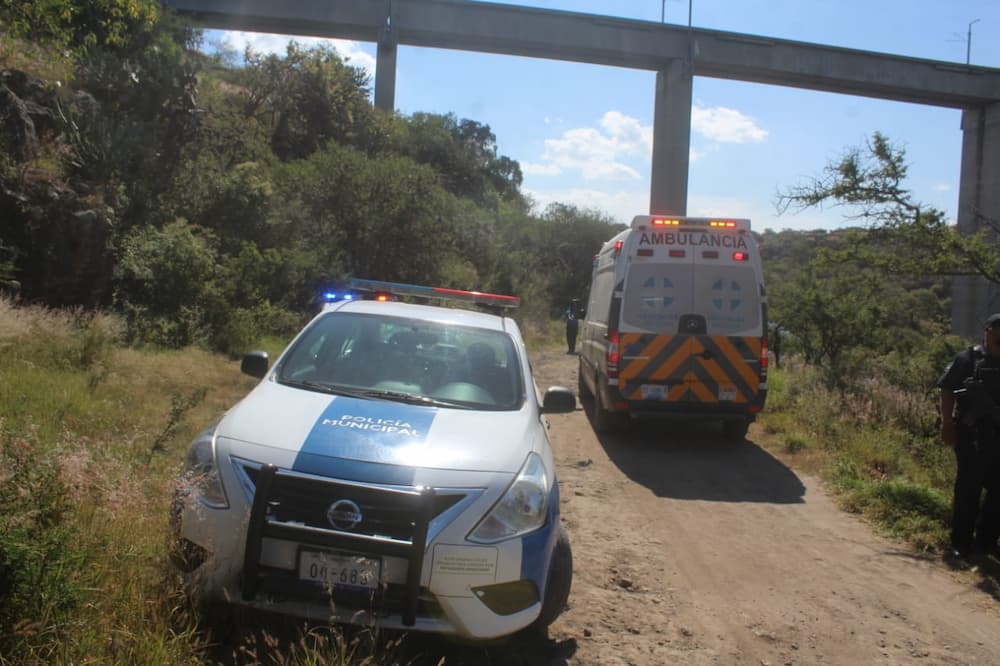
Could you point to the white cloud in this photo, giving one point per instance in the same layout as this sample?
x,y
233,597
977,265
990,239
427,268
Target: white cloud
x,y
725,125
620,147
621,205
942,187
261,42
534,169
600,153
696,154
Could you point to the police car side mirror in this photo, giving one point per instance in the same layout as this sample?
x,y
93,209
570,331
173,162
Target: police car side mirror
x,y
558,400
254,364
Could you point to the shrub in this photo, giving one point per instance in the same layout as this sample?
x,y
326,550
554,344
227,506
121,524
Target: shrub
x,y
36,560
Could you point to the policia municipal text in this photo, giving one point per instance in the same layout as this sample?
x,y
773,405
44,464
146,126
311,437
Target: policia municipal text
x,y
970,424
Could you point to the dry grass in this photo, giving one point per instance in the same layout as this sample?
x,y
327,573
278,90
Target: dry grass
x,y
35,58
86,496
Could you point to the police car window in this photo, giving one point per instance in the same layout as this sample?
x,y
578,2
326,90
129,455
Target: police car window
x,y
468,367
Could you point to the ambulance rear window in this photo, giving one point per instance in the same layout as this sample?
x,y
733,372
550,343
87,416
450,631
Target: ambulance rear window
x,y
729,299
658,295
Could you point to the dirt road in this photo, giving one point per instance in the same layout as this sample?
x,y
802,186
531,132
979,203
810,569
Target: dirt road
x,y
691,550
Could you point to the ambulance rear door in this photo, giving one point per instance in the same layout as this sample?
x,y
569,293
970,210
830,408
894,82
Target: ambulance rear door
x,y
657,293
692,318
728,308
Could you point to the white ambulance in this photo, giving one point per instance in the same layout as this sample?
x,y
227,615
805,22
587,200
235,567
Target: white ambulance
x,y
676,324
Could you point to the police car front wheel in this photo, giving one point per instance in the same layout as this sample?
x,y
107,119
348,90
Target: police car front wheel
x,y
557,587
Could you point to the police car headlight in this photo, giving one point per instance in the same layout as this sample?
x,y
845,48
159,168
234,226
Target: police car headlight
x,y
521,510
202,471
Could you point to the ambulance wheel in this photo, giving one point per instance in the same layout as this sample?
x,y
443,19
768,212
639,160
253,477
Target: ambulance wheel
x,y
558,585
605,421
736,430
582,390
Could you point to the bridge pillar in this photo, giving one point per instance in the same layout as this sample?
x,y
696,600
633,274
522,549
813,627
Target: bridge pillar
x,y
671,139
973,298
385,70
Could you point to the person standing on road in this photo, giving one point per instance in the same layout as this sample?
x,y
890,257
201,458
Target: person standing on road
x,y
973,431
572,324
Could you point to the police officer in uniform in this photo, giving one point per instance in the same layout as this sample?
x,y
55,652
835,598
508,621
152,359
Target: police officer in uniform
x,y
970,424
572,324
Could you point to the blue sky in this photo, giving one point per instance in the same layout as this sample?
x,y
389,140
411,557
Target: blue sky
x,y
582,133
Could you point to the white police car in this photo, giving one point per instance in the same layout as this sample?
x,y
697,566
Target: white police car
x,y
392,469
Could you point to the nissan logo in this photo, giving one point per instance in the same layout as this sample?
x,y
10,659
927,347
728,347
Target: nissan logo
x,y
344,514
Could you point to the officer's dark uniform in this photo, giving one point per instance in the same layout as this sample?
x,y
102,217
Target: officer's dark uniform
x,y
572,325
977,451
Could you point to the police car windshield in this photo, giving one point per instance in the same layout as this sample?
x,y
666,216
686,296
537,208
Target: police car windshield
x,y
408,360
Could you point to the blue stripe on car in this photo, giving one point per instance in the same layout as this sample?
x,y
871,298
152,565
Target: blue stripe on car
x,y
363,440
537,547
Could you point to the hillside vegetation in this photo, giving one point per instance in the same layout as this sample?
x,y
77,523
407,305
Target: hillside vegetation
x,y
162,211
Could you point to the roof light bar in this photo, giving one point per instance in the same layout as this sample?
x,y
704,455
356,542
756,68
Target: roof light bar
x,y
661,222
442,293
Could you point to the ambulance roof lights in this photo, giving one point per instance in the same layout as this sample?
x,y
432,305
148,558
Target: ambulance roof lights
x,y
741,256
383,291
643,222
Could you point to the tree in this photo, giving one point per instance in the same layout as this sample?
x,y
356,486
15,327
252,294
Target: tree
x,y
828,311
308,98
463,151
570,238
901,235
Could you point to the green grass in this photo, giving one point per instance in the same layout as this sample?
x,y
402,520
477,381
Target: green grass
x,y
92,436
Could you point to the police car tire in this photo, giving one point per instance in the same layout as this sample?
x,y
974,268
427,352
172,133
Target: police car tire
x,y
558,586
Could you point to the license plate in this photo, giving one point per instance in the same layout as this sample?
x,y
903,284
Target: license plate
x,y
340,570
727,392
653,391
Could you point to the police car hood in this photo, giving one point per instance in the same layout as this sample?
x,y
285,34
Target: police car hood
x,y
322,433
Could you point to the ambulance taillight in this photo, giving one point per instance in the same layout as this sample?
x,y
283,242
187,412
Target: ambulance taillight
x,y
614,355
763,371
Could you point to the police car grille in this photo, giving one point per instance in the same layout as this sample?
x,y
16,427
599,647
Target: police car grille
x,y
385,512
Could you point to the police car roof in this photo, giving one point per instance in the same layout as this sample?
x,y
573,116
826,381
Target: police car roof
x,y
434,313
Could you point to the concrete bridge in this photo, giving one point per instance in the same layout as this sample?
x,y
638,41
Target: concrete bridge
x,y
676,54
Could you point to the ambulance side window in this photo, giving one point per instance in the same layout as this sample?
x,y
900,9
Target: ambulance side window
x,y
600,294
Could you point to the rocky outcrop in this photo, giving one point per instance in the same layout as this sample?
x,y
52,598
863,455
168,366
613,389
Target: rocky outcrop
x,y
55,232
17,129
